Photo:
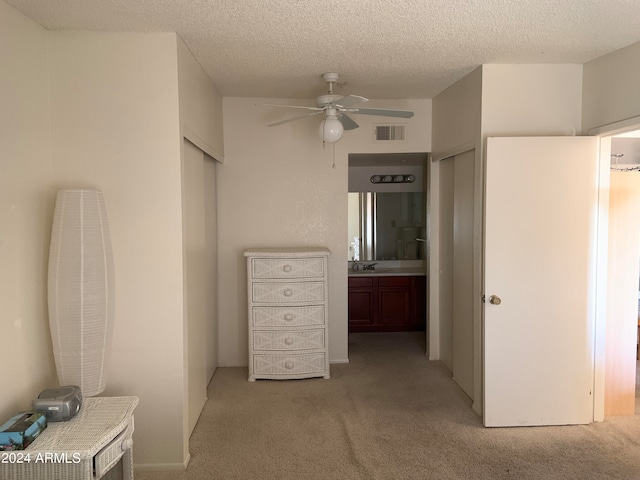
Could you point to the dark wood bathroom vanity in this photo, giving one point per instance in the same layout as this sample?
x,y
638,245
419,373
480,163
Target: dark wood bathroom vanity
x,y
381,303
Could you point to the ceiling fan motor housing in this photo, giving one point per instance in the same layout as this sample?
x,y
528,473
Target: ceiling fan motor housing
x,y
330,77
325,100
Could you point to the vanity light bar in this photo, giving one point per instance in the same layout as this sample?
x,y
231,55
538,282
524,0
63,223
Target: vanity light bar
x,y
393,178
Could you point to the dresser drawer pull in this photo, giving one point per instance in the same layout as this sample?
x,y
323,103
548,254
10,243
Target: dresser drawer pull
x,y
287,268
288,292
288,341
288,317
288,365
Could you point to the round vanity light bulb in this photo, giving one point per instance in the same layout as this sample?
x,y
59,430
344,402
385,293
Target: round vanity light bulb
x,y
331,129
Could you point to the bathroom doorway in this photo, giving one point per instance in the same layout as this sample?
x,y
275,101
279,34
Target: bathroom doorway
x,y
387,245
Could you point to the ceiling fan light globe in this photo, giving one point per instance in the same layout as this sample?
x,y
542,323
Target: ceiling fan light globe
x,y
331,130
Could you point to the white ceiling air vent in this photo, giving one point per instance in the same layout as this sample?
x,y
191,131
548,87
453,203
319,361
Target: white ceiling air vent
x,y
388,133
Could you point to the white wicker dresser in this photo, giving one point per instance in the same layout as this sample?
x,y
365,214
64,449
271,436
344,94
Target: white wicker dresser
x,y
288,313
87,447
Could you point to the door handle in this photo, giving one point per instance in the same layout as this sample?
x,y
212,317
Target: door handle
x,y
495,300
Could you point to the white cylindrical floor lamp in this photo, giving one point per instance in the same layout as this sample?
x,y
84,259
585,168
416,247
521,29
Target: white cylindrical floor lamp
x,y
81,289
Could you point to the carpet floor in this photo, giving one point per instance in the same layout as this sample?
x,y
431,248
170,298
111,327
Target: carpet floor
x,y
388,414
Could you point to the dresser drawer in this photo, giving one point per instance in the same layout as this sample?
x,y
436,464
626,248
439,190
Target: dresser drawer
x,y
289,365
288,316
288,292
288,340
106,458
287,268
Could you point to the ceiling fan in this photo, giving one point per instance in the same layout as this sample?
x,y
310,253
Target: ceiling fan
x,y
335,109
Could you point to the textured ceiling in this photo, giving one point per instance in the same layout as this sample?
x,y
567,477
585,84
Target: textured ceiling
x,y
381,48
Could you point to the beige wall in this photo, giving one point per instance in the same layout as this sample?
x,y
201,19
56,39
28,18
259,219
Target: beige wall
x,y
114,102
278,188
26,210
610,89
200,105
456,114
531,100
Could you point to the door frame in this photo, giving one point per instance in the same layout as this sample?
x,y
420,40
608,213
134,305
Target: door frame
x,y
605,132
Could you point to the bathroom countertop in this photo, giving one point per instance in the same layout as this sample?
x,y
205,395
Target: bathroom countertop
x,y
388,272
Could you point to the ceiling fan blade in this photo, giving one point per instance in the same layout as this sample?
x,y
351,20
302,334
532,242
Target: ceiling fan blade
x,y
292,106
347,123
385,112
349,101
287,120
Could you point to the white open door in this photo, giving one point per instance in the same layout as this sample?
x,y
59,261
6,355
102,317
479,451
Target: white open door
x,y
539,280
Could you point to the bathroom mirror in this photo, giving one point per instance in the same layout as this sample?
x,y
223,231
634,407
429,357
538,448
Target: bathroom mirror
x,y
386,226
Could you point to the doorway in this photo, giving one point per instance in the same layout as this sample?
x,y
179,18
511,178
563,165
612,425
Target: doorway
x,y
387,244
621,365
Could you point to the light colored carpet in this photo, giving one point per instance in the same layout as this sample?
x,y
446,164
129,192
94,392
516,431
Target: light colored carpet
x,y
388,414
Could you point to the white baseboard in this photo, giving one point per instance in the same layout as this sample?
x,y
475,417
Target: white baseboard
x,y
161,467
339,361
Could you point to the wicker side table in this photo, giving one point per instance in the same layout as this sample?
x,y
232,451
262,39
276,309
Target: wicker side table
x,y
86,447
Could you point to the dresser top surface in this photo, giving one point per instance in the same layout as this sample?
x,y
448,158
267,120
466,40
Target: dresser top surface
x,y
287,252
100,419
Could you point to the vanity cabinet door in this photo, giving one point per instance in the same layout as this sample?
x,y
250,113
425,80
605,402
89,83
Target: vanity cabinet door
x,y
387,304
395,301
361,302
420,289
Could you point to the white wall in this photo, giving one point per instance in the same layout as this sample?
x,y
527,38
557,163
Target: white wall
x,y
114,104
610,89
26,210
277,187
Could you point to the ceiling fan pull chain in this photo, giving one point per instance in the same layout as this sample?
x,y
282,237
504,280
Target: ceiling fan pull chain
x,y
334,155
